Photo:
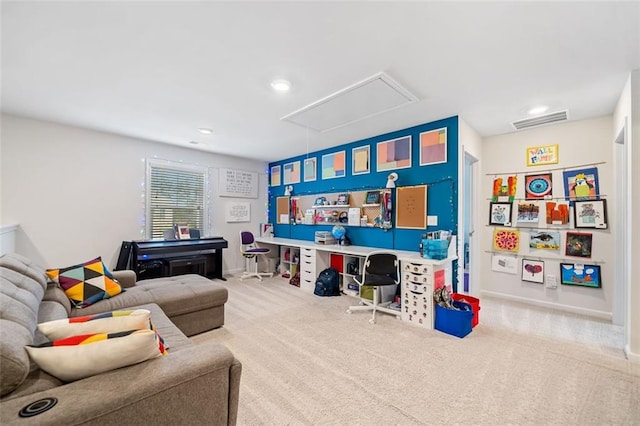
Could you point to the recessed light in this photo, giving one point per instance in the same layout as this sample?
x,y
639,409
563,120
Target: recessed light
x,y
281,85
205,131
538,110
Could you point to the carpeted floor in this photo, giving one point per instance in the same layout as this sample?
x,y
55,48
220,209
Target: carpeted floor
x,y
307,362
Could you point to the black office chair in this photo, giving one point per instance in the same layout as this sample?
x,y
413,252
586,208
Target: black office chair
x,y
380,269
250,253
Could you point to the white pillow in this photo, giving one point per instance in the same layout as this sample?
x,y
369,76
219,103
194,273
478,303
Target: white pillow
x,y
107,322
82,356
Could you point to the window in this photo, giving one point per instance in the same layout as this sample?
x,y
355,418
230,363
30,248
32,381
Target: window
x,y
175,195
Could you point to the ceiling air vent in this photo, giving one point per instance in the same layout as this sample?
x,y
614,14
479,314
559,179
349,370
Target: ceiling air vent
x,y
374,95
541,120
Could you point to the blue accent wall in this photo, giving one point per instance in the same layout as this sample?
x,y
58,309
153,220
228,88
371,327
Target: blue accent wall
x,y
441,180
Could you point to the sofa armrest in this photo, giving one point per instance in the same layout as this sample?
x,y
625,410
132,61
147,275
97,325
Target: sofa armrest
x,y
195,385
126,278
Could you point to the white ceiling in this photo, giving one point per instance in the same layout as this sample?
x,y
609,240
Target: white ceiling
x,y
160,70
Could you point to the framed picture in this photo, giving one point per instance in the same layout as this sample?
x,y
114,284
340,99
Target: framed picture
x,y
361,160
500,214
533,271
310,169
291,173
581,184
507,264
333,165
320,201
580,274
373,197
528,213
578,244
538,187
394,154
590,214
541,155
544,240
343,200
275,176
433,147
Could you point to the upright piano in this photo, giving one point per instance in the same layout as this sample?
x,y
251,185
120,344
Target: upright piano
x,y
157,258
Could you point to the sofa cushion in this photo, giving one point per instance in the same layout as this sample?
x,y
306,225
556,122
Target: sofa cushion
x,y
108,322
77,357
20,297
24,266
176,296
86,283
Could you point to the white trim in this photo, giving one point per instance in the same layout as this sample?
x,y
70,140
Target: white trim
x,y
630,355
557,306
5,229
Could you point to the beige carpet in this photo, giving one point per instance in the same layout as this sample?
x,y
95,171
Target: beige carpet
x,y
307,362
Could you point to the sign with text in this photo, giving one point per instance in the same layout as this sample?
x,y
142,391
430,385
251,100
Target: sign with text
x,y
238,212
541,155
238,183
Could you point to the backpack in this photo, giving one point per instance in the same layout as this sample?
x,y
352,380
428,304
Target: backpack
x,y
328,283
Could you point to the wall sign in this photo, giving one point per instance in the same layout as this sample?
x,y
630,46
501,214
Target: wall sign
x,y
238,212
238,183
540,155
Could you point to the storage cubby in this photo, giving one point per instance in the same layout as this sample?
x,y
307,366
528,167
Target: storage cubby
x,y
289,261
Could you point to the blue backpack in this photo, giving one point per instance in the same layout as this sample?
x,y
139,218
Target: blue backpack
x,y
328,283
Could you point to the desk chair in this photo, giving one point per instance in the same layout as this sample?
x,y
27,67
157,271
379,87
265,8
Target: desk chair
x,y
250,253
380,269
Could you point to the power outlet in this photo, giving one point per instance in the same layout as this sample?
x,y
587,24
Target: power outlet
x,y
552,281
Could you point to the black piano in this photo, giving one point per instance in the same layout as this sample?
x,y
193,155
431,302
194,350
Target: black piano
x,y
156,258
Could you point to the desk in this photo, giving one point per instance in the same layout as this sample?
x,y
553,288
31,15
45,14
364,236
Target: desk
x,y
158,258
419,276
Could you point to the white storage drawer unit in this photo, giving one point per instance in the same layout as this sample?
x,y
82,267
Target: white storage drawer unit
x,y
308,273
417,293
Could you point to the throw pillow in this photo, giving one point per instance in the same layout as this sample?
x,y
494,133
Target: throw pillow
x,y
107,322
86,355
86,283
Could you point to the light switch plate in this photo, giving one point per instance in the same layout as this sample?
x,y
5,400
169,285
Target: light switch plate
x,y
432,220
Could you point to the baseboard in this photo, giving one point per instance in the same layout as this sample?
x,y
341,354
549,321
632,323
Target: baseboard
x,y
608,316
633,357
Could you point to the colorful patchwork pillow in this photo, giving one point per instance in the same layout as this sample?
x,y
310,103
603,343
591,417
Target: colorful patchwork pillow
x,y
107,322
86,283
86,355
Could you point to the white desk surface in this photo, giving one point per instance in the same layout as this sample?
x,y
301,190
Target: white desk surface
x,y
351,250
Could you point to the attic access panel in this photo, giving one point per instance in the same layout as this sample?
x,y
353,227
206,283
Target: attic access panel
x,y
372,96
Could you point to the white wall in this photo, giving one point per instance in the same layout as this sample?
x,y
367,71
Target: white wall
x,y
580,143
77,193
627,112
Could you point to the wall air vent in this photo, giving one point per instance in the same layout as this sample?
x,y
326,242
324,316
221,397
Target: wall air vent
x,y
541,120
374,95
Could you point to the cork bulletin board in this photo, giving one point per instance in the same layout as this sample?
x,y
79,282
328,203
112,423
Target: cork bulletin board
x,y
282,210
411,202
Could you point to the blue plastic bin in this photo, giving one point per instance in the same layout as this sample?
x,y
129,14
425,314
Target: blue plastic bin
x,y
456,323
435,249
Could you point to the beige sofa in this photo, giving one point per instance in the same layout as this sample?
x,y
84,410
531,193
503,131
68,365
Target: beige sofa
x,y
193,384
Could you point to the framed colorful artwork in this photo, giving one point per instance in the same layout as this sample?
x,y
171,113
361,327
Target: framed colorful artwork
x,y
500,214
433,147
557,213
538,187
590,214
394,154
544,240
580,274
533,271
291,173
275,176
333,165
581,184
541,155
528,213
578,244
310,169
360,160
506,240
504,188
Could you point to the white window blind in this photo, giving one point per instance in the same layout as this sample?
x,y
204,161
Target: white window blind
x,y
175,195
